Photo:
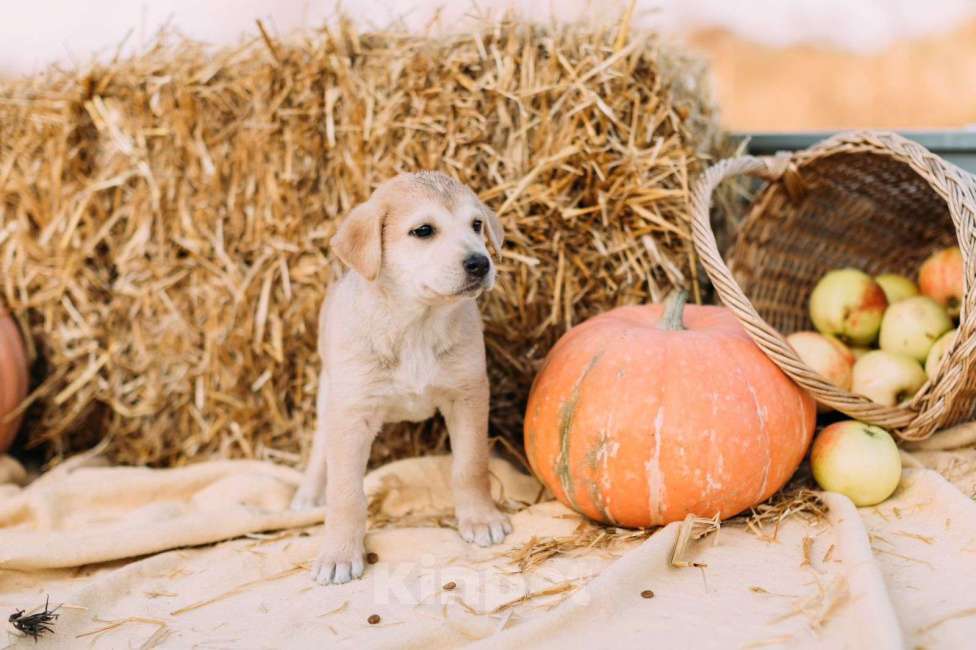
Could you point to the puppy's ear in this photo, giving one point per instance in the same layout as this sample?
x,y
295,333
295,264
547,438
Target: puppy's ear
x,y
496,233
359,240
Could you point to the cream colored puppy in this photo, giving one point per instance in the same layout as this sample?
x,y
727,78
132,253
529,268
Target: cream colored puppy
x,y
400,337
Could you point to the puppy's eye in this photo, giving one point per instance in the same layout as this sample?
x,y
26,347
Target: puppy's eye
x,y
476,225
423,232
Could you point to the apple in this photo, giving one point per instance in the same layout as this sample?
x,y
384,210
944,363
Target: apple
x,y
941,278
939,348
824,354
887,378
860,461
896,287
848,304
858,352
912,325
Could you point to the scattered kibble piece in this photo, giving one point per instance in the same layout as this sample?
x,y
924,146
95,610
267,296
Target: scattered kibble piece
x,y
450,586
372,558
647,593
373,619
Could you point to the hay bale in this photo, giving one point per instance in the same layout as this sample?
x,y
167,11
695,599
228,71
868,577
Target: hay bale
x,y
165,219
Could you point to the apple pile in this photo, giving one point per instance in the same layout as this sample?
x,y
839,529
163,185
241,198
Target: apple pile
x,y
883,337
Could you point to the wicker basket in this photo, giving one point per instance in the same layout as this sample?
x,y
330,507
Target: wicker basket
x,y
870,200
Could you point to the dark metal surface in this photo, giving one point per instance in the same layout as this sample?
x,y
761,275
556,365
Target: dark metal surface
x,y
958,147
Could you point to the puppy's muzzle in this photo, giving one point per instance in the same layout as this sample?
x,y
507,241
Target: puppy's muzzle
x,y
476,266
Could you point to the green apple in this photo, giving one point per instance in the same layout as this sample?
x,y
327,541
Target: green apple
x,y
939,348
896,287
912,325
848,304
824,354
887,378
858,460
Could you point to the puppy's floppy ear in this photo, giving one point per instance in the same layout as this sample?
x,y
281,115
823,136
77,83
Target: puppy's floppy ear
x,y
359,240
496,233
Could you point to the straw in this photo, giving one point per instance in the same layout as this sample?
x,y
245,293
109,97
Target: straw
x,y
165,219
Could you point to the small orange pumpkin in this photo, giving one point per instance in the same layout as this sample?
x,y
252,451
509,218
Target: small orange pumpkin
x,y
638,420
13,377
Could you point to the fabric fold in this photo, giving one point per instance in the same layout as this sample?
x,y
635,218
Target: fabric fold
x,y
178,557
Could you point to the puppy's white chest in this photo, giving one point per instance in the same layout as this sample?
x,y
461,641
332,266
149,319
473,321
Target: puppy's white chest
x,y
412,383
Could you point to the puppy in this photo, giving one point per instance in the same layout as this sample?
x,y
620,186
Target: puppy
x,y
400,337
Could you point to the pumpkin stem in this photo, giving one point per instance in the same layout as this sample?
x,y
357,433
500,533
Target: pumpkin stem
x,y
674,310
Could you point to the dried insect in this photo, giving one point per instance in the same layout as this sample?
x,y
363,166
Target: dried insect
x,y
34,625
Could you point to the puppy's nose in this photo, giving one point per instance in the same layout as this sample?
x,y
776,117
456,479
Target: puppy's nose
x,y
477,265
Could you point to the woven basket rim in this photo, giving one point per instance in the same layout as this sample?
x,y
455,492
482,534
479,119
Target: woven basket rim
x,y
924,414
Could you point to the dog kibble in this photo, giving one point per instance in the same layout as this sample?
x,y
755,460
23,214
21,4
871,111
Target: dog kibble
x,y
372,558
373,619
450,586
647,593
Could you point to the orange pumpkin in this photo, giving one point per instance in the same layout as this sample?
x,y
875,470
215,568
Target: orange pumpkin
x,y
639,418
13,377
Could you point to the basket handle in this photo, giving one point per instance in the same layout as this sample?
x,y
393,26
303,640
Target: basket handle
x,y
769,340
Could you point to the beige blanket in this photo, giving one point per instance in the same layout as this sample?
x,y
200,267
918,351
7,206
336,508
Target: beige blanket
x,y
898,575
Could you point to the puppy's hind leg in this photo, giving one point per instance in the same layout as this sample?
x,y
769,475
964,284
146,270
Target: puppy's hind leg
x,y
311,491
479,520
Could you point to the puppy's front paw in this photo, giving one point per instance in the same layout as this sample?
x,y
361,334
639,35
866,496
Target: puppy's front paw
x,y
484,527
339,563
306,498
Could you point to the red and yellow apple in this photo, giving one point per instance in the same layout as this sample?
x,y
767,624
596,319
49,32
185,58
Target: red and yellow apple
x,y
941,278
848,304
912,325
887,378
825,355
858,460
938,351
896,287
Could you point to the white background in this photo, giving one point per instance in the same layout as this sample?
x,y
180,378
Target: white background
x,y
35,33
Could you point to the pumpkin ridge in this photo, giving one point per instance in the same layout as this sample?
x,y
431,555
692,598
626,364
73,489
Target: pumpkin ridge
x,y
566,416
761,415
597,495
656,489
